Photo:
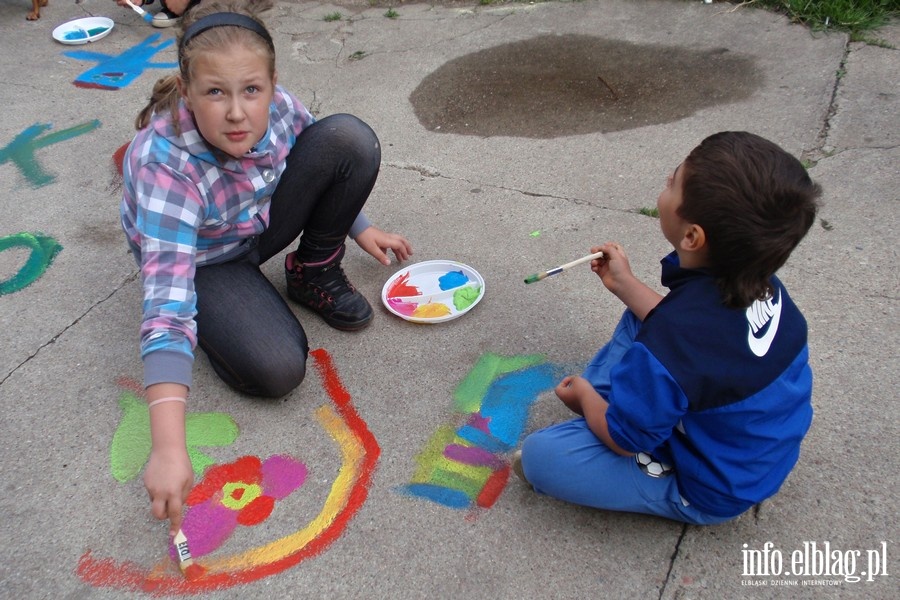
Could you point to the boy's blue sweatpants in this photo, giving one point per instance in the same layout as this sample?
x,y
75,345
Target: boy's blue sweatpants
x,y
567,461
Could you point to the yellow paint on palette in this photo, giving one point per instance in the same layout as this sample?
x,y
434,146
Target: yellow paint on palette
x,y
432,310
352,455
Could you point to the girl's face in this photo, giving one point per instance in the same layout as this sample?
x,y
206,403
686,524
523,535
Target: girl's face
x,y
229,94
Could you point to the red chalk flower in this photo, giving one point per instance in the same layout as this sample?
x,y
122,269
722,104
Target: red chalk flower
x,y
238,487
239,493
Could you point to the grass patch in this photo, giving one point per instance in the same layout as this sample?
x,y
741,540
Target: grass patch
x,y
358,55
335,16
853,16
649,212
391,13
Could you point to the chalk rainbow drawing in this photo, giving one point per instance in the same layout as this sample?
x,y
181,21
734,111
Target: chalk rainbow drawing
x,y
43,250
116,72
464,466
359,456
21,150
130,447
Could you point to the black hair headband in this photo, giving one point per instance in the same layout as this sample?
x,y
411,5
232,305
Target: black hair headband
x,y
222,19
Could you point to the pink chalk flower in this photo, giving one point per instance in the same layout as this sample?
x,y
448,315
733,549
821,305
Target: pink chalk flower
x,y
239,493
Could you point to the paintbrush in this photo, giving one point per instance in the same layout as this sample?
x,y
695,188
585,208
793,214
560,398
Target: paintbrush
x,y
144,14
188,567
561,268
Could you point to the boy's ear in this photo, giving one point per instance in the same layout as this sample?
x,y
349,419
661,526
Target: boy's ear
x,y
694,238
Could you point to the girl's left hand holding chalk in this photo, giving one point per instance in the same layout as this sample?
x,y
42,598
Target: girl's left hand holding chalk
x,y
169,475
168,479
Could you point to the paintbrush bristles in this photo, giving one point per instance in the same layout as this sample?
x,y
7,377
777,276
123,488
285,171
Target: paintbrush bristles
x,y
561,268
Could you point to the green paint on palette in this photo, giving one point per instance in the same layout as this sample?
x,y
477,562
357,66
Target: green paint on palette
x,y
463,298
468,394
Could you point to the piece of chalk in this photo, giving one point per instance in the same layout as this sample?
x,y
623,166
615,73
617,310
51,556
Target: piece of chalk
x,y
189,568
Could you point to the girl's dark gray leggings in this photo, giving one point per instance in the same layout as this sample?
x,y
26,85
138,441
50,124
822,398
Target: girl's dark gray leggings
x,y
252,338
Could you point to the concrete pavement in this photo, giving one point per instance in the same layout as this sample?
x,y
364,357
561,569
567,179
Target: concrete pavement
x,y
514,137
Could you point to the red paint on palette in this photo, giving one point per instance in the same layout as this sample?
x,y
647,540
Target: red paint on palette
x,y
402,288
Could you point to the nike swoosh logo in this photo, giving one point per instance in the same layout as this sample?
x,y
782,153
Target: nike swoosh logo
x,y
758,315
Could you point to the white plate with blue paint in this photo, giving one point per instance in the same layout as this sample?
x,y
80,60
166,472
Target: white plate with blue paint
x,y
82,31
433,291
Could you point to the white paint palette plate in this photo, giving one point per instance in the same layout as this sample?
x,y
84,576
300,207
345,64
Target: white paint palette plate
x,y
433,291
82,31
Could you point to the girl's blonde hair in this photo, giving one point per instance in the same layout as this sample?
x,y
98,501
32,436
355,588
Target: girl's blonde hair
x,y
165,95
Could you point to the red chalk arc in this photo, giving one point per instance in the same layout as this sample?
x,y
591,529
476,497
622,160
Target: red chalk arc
x,y
359,452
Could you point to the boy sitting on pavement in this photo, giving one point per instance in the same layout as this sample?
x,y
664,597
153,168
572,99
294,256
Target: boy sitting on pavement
x,y
695,409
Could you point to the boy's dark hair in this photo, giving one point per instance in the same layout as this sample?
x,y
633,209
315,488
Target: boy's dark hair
x,y
755,202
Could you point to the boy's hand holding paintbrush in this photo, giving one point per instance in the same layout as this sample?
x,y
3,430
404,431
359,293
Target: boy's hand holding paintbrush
x,y
615,272
610,263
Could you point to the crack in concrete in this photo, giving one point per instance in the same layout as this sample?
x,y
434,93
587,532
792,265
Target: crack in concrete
x,y
426,172
820,150
78,319
672,559
356,18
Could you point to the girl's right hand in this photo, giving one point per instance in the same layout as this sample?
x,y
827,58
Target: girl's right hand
x,y
168,479
377,242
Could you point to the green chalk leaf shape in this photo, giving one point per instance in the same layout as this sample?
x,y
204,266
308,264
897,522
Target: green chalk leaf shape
x,y
131,444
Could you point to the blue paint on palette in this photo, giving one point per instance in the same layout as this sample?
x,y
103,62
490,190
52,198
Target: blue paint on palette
x,y
453,279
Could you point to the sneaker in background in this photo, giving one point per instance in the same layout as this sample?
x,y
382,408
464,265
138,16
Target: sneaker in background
x,y
517,468
165,18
